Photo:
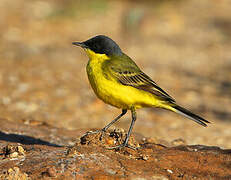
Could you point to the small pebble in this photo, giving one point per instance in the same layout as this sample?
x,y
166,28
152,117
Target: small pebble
x,y
52,172
169,170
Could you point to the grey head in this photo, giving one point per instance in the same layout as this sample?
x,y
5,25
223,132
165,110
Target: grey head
x,y
101,44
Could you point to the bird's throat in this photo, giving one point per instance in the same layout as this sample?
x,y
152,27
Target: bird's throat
x,y
96,56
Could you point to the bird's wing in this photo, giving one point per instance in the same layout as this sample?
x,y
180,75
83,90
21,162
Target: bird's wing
x,y
129,74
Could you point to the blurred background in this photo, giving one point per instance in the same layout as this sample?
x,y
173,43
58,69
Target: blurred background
x,y
184,45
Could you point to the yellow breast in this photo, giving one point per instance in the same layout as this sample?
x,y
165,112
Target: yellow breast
x,y
113,92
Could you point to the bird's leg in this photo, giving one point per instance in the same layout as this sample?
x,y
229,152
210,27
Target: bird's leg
x,y
133,111
124,111
125,143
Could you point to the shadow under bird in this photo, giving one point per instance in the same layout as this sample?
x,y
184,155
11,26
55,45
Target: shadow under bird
x,y
118,81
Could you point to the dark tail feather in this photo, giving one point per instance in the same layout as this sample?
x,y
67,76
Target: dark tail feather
x,y
190,115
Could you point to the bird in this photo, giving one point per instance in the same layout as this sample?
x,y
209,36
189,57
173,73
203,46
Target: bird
x,y
118,81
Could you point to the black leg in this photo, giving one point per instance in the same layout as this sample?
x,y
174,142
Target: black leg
x,y
124,111
131,127
125,143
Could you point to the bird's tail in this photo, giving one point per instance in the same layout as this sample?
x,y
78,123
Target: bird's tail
x,y
180,110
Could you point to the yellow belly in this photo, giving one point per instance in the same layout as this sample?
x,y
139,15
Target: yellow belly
x,y
116,94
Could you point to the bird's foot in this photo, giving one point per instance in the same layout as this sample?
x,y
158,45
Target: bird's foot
x,y
123,146
102,131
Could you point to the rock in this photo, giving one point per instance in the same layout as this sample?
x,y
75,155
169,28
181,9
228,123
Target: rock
x,y
90,158
14,151
14,174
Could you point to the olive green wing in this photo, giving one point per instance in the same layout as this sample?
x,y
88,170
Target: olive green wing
x,y
128,73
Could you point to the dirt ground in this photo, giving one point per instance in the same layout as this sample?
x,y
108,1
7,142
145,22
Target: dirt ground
x,y
183,45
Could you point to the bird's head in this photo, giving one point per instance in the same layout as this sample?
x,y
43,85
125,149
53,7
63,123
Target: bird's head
x,y
100,46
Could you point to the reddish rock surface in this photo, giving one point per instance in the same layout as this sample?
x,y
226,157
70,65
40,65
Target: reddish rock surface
x,y
43,152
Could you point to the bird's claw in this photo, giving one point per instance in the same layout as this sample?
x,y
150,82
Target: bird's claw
x,y
123,146
102,131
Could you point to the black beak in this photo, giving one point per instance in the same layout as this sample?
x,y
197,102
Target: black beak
x,y
81,44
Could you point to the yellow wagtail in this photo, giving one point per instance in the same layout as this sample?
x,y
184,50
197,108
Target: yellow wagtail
x,y
118,81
